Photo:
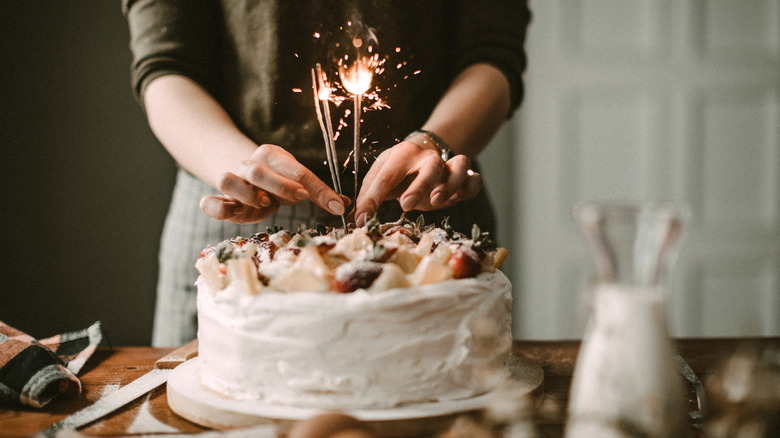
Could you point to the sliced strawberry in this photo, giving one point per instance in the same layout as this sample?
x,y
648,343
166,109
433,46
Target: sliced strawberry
x,y
259,237
399,229
350,277
265,252
209,249
464,262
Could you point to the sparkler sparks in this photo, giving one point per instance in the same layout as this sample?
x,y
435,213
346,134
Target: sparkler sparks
x,y
356,71
357,80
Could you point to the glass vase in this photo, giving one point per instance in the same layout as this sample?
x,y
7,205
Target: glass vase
x,y
625,382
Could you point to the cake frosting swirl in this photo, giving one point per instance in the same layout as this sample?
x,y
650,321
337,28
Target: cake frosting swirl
x,y
383,316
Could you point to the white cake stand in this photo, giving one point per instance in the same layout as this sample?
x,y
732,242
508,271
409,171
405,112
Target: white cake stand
x,y
188,398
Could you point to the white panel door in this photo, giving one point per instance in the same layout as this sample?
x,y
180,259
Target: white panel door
x,y
632,100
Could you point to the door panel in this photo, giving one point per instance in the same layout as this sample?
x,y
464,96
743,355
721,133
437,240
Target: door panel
x,y
649,100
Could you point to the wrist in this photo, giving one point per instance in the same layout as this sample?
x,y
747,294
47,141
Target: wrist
x,y
429,140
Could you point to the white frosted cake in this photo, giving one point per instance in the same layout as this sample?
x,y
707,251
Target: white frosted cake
x,y
379,317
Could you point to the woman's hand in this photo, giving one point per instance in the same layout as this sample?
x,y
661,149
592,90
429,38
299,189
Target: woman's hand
x,y
418,178
270,178
468,115
227,208
188,121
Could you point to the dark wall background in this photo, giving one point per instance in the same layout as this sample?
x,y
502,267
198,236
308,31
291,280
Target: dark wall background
x,y
85,185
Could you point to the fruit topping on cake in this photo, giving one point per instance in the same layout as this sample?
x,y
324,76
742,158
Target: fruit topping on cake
x,y
375,257
350,277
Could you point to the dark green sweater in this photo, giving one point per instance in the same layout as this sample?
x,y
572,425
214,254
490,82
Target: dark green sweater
x,y
251,55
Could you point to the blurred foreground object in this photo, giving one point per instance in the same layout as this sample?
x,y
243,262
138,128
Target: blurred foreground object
x,y
745,394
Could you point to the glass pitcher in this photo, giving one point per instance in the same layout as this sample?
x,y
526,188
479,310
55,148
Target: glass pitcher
x,y
625,381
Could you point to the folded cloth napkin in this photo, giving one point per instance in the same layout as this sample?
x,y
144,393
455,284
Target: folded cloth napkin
x,y
33,372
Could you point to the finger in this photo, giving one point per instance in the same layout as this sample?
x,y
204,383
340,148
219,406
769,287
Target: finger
x,y
218,207
471,186
241,190
226,208
324,196
251,215
289,180
418,194
383,176
286,190
470,190
361,219
294,184
456,174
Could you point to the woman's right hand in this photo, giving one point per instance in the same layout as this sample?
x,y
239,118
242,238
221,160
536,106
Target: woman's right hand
x,y
188,121
270,178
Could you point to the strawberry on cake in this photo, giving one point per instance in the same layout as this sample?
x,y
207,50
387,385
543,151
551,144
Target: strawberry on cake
x,y
373,317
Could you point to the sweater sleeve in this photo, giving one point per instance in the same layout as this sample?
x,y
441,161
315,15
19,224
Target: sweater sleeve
x,y
172,37
493,32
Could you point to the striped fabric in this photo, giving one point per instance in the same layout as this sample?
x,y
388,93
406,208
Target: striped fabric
x,y
34,372
186,232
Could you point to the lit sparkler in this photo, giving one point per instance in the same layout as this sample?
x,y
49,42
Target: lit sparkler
x,y
321,104
356,79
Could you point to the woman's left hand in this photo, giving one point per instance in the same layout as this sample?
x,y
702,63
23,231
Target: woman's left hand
x,y
418,178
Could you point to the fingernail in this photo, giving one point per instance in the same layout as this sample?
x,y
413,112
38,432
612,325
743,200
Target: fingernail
x,y
265,201
361,219
301,194
410,201
335,207
437,198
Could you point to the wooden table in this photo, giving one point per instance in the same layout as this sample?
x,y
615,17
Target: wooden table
x,y
111,368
